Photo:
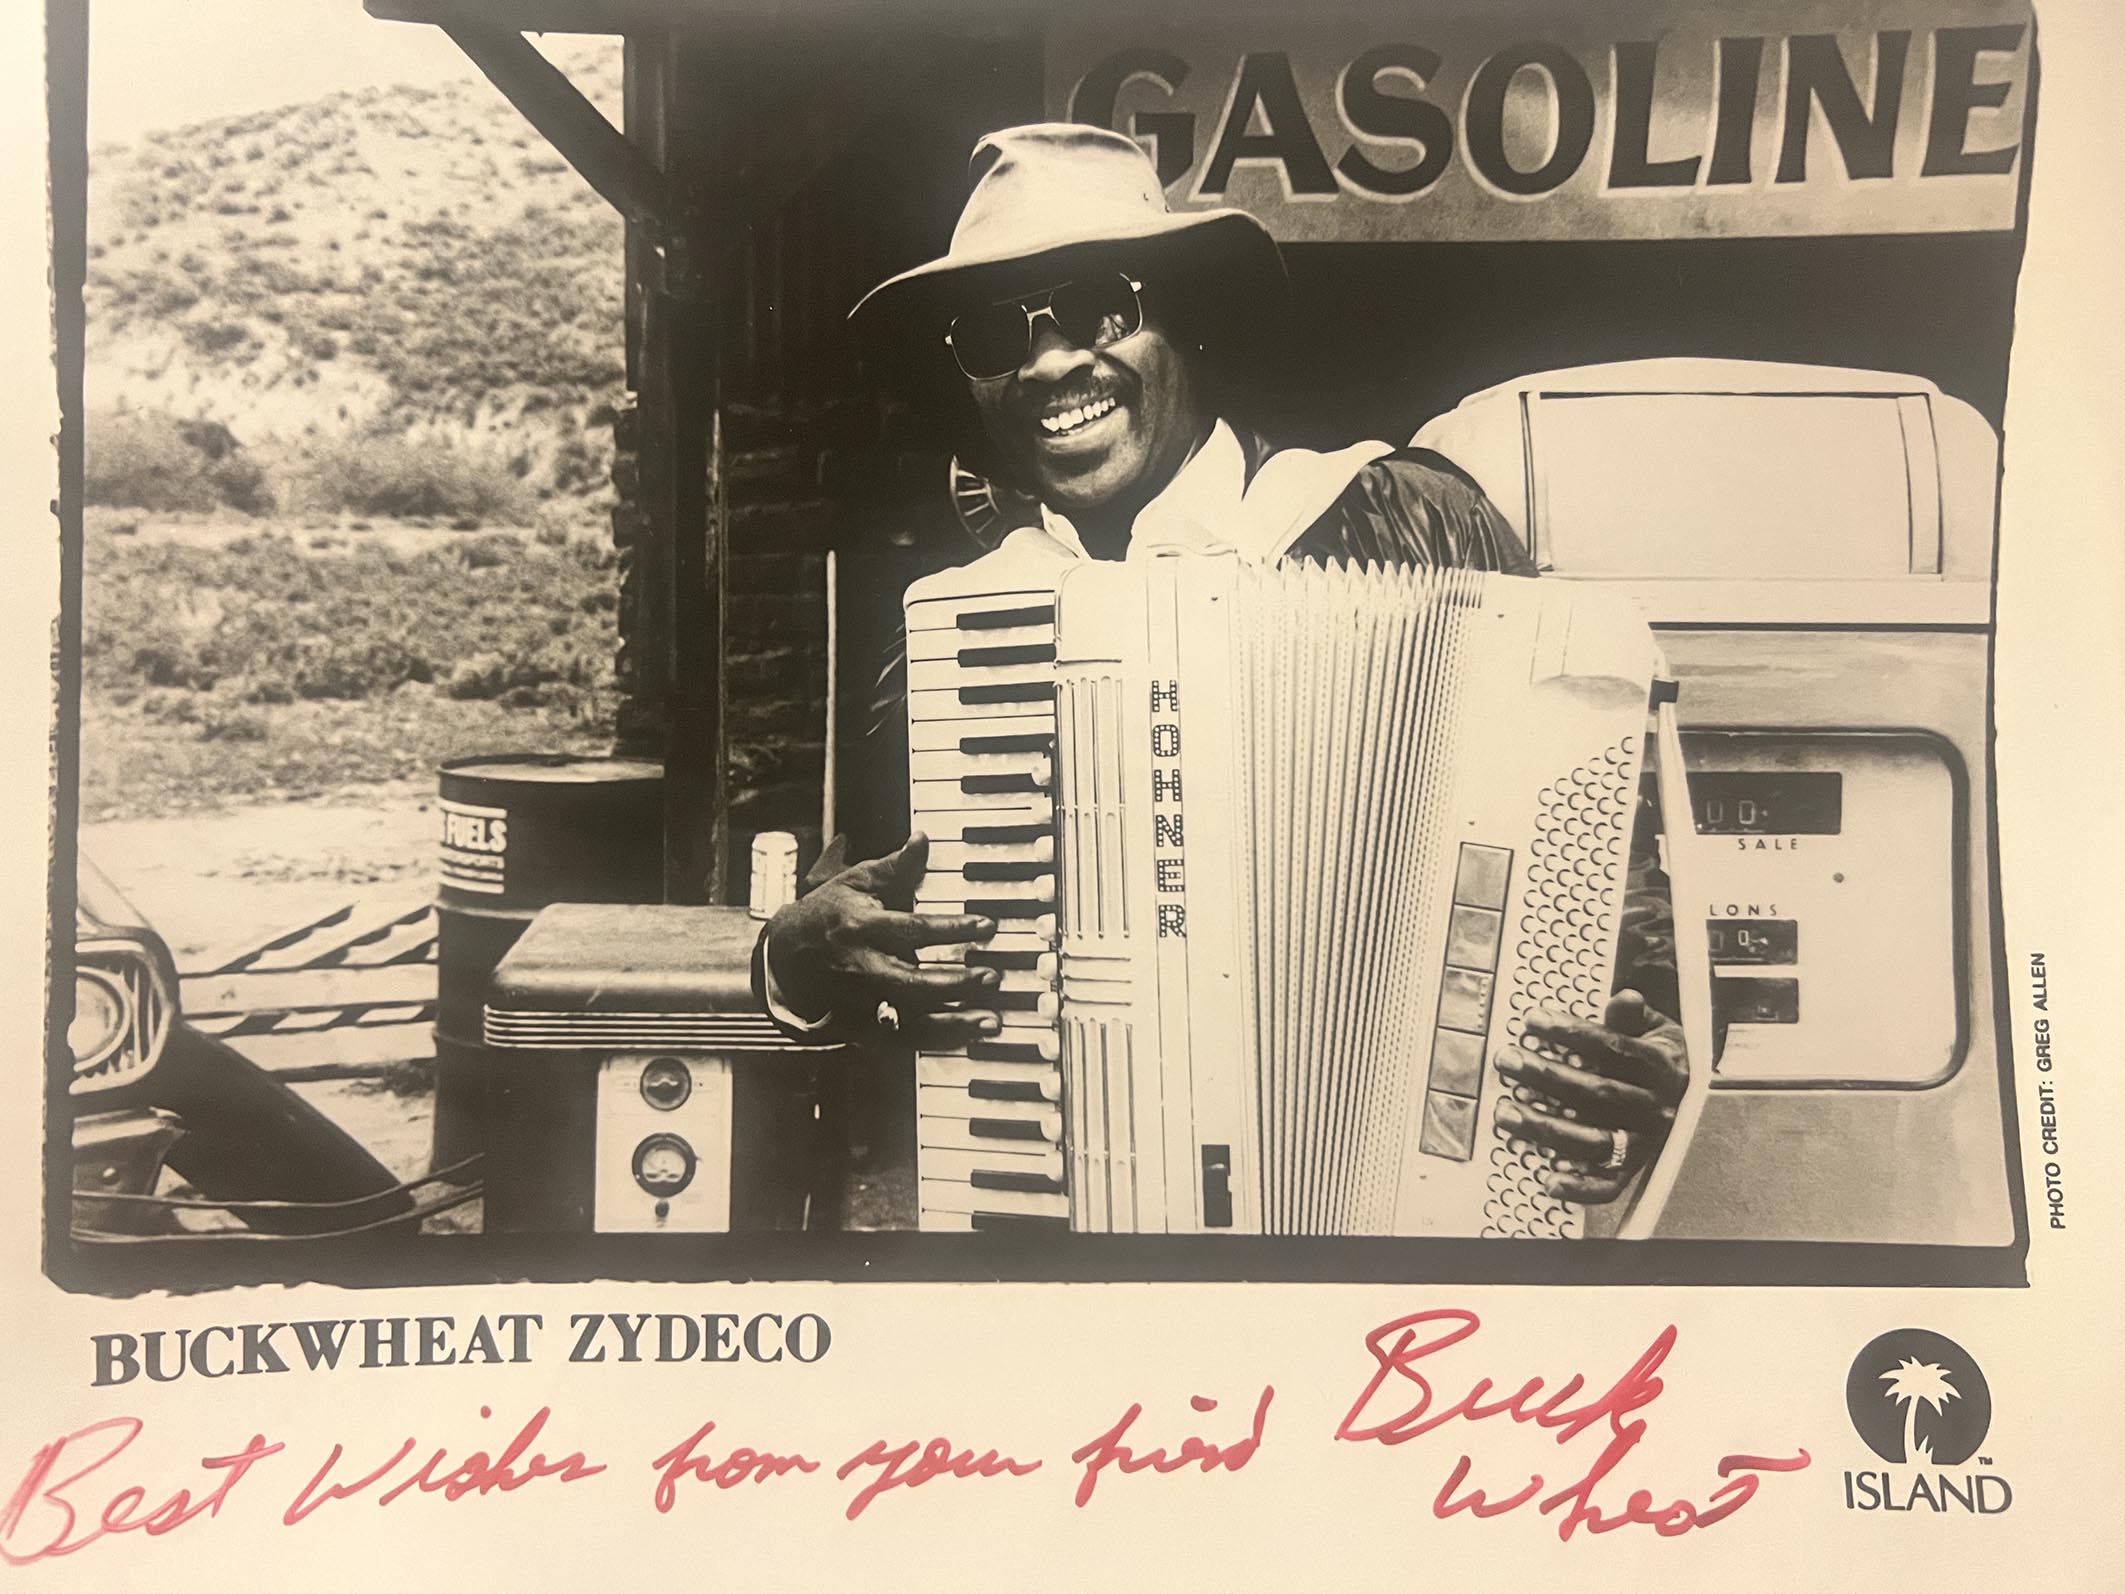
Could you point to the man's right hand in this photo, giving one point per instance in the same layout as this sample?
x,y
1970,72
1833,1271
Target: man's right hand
x,y
852,945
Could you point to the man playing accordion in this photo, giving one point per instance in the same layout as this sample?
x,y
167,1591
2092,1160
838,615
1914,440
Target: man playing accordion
x,y
1093,326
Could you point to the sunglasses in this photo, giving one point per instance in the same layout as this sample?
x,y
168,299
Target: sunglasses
x,y
994,340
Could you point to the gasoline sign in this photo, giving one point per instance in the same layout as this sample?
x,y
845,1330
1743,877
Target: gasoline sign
x,y
1601,121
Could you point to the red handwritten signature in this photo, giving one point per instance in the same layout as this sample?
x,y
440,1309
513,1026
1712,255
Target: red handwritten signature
x,y
1399,1345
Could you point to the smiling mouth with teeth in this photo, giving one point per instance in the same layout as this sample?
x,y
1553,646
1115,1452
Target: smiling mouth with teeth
x,y
1070,420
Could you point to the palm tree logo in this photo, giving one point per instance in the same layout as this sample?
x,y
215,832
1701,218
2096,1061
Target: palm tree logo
x,y
1913,1384
1911,1381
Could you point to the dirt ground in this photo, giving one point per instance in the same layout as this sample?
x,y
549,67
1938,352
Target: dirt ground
x,y
208,880
218,880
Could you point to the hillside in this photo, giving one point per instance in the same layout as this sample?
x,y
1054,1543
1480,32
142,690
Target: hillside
x,y
398,262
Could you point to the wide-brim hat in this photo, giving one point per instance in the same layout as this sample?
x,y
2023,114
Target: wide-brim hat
x,y
1049,197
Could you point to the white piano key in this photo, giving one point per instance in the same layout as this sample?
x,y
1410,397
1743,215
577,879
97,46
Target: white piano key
x,y
933,675
965,1134
954,1101
946,1195
1031,699
957,854
1045,1162
942,765
949,886
958,1069
948,645
1005,940
946,735
953,813
946,612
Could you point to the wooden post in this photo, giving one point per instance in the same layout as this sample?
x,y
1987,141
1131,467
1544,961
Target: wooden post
x,y
683,303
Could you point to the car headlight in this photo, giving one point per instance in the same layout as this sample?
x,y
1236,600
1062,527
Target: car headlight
x,y
102,1016
125,997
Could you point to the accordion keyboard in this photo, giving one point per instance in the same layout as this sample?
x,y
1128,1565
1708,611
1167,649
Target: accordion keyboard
x,y
981,724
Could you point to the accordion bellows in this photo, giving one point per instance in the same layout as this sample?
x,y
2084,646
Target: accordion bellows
x,y
1280,856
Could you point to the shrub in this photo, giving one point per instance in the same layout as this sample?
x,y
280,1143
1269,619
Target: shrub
x,y
355,667
479,678
174,661
232,725
407,478
240,485
145,459
141,460
178,708
215,337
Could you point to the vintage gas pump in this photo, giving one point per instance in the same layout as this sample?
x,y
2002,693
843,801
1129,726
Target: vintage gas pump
x,y
660,1097
1814,547
634,1083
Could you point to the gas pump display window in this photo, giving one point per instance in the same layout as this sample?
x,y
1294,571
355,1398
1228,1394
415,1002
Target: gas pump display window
x,y
1767,802
1834,873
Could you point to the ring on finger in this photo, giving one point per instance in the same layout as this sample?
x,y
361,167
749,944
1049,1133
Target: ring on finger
x,y
1619,1150
888,1018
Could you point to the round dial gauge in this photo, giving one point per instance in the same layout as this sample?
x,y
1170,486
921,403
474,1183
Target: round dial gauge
x,y
666,1083
664,1165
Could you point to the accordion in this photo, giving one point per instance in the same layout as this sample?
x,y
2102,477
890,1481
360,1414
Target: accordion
x,y
1279,857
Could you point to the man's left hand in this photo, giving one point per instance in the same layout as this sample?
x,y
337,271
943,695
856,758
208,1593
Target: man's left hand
x,y
1630,1073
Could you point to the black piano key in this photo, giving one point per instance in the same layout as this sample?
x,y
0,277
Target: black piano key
x,y
1012,1001
1008,907
1017,1220
1004,619
1011,653
985,958
1005,835
1006,1052
1024,742
1007,868
1027,1183
980,785
1004,1129
1008,692
1004,1090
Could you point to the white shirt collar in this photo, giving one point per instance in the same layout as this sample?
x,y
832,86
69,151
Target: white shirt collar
x,y
1211,505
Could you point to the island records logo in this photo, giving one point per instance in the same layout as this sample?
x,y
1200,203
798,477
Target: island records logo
x,y
1921,1403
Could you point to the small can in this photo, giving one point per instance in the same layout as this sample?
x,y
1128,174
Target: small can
x,y
774,872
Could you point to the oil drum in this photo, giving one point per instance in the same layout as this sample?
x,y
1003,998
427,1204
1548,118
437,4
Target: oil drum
x,y
520,831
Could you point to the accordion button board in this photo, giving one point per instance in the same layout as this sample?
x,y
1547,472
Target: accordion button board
x,y
1279,859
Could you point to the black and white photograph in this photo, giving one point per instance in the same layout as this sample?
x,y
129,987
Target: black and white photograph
x,y
903,793
1034,642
